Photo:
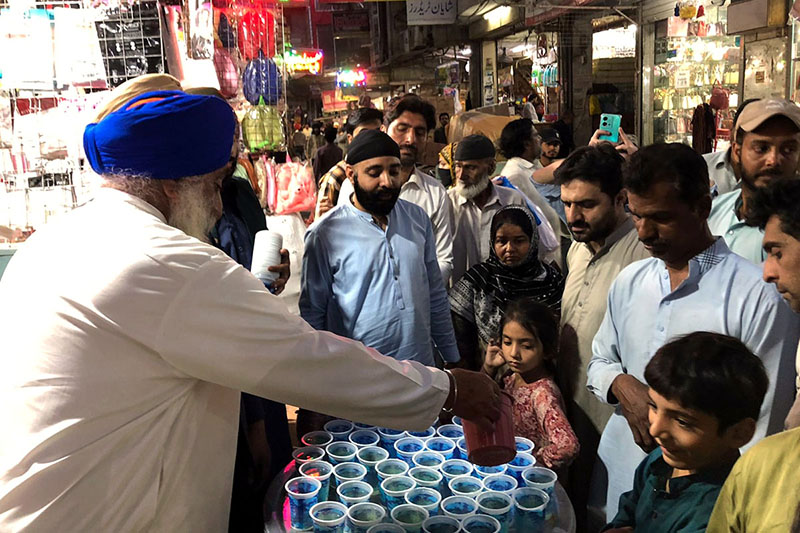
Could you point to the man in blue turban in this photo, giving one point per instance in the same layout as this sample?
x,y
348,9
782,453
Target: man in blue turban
x,y
122,367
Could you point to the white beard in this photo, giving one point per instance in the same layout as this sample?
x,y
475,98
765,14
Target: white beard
x,y
471,191
191,214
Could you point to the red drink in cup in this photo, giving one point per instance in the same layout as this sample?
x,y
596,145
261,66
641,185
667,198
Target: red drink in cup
x,y
496,447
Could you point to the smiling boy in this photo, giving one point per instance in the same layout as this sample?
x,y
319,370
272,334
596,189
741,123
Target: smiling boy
x,y
706,391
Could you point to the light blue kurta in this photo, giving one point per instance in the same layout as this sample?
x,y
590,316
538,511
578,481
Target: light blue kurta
x,y
383,288
724,294
741,239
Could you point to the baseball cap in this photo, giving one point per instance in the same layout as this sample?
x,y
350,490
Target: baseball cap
x,y
756,113
551,136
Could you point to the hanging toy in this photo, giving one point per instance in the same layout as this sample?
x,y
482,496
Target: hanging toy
x,y
262,128
687,11
261,79
701,11
227,74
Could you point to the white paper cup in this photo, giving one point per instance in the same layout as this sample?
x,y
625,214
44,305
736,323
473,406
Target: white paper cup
x,y
266,253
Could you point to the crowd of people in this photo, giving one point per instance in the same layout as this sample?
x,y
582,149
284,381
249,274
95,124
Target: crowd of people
x,y
639,304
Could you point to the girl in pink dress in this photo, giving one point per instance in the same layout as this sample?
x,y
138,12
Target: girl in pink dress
x,y
524,357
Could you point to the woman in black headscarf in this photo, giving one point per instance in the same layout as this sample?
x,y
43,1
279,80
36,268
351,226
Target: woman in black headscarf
x,y
513,271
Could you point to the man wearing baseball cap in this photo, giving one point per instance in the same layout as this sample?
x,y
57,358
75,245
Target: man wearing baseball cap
x,y
551,146
766,146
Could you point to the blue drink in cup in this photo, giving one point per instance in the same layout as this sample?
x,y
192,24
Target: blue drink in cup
x,y
407,447
500,483
344,472
317,438
410,517
303,494
394,490
426,477
484,471
390,468
480,524
441,524
459,507
362,516
498,505
465,486
530,507
539,477
359,425
457,421
428,458
519,463
364,437
389,437
341,452
354,492
306,454
426,498
386,528
423,435
454,468
339,429
441,445
451,431
461,446
370,456
328,517
321,471
524,445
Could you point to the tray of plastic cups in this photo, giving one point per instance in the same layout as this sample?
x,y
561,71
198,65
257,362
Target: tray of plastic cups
x,y
410,517
386,528
519,463
344,472
407,447
454,468
480,524
303,493
339,429
353,492
529,509
389,437
341,452
370,456
524,445
321,471
500,483
441,445
364,437
361,425
362,516
390,468
441,524
461,447
317,438
426,477
306,454
329,517
459,507
498,505
468,486
427,458
484,471
424,434
539,477
394,490
425,497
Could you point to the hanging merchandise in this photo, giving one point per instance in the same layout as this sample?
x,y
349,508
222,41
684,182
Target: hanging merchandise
x,y
227,73
225,32
262,128
297,191
261,79
720,97
256,34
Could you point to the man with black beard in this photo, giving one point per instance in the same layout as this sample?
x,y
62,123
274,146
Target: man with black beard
x,y
370,271
766,146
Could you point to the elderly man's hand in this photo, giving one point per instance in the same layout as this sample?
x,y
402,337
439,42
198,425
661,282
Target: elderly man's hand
x,y
283,273
478,398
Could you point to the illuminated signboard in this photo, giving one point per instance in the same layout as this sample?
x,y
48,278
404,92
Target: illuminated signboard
x,y
351,78
303,61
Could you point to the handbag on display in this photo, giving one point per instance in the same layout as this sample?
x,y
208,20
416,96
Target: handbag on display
x,y
720,97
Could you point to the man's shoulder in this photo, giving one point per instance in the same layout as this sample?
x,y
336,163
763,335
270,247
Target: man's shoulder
x,y
509,196
714,157
725,201
636,273
781,448
410,210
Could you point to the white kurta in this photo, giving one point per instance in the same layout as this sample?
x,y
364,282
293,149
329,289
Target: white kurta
x,y
125,345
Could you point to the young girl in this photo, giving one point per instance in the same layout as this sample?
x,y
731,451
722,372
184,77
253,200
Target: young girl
x,y
528,344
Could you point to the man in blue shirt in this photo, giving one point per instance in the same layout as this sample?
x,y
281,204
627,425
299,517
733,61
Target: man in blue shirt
x,y
693,282
370,270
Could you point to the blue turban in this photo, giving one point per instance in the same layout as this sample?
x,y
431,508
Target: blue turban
x,y
162,135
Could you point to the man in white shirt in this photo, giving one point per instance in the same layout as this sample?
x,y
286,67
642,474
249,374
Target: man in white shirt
x,y
121,374
408,121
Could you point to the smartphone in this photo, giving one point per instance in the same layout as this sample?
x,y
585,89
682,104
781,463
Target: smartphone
x,y
610,123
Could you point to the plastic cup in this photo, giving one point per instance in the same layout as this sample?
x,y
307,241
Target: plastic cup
x,y
500,483
480,524
457,420
539,477
266,253
344,472
390,468
428,458
341,452
465,486
317,438
524,445
389,437
451,431
386,528
339,429
529,509
359,425
353,492
498,505
394,490
454,468
425,497
362,516
495,447
424,435
519,464
442,445
410,517
329,517
461,446
407,447
484,471
306,454
426,477
459,507
364,437
370,456
303,494
321,471
441,524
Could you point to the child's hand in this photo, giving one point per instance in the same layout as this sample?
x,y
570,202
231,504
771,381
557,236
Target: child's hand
x,y
493,358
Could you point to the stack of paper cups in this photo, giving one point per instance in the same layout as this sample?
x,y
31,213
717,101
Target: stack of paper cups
x,y
266,253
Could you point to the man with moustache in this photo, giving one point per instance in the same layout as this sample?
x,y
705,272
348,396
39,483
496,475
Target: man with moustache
x,y
370,271
474,201
551,145
693,282
766,147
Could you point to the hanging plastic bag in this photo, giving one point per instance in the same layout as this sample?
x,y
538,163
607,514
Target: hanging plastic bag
x,y
262,128
296,190
261,79
227,74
